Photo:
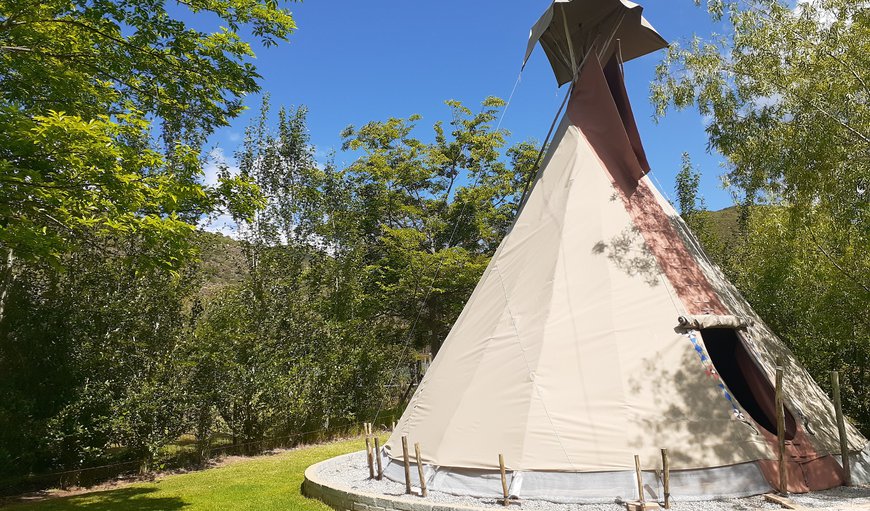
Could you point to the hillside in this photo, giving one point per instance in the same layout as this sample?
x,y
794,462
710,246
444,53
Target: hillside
x,y
222,260
724,224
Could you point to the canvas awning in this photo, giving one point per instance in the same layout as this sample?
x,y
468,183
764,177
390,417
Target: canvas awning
x,y
586,21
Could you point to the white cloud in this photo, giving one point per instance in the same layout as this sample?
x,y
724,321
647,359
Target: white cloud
x,y
767,101
214,161
223,223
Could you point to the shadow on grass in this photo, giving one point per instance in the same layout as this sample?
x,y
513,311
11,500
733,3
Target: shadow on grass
x,y
122,499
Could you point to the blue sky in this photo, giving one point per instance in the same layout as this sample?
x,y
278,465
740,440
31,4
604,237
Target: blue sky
x,y
351,62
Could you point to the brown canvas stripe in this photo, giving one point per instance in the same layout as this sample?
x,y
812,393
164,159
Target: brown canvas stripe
x,y
612,133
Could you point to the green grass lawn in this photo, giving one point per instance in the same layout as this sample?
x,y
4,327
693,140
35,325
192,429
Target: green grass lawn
x,y
268,482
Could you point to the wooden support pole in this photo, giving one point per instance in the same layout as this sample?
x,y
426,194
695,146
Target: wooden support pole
x,y
504,485
380,473
407,464
841,427
780,433
570,43
369,457
666,477
639,475
423,491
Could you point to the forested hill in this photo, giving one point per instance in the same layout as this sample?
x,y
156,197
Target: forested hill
x,y
222,257
724,224
222,261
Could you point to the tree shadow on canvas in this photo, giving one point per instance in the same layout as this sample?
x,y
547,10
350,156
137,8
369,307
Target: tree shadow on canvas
x,y
629,253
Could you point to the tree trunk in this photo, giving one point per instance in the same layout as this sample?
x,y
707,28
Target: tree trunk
x,y
6,282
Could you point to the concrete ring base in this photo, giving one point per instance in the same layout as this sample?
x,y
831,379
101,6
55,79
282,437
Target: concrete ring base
x,y
342,498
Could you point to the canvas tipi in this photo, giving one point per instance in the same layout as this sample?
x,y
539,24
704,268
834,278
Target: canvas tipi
x,y
600,330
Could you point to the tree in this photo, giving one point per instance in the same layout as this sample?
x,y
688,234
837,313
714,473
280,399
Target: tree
x,y
83,83
303,323
90,358
817,310
103,111
693,209
687,181
282,351
431,214
785,94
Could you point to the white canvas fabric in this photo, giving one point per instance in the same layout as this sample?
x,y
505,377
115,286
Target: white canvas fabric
x,y
860,466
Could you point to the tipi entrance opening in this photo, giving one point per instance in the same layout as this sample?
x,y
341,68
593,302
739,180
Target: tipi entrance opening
x,y
744,379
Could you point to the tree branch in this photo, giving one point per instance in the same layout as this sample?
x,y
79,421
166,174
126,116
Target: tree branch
x,y
44,185
835,264
812,104
23,49
123,42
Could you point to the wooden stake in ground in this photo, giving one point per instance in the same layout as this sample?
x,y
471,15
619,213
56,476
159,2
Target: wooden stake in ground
x,y
780,432
666,477
380,472
841,427
423,491
407,464
369,457
639,475
504,486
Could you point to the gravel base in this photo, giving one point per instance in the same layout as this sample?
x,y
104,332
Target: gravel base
x,y
835,498
351,472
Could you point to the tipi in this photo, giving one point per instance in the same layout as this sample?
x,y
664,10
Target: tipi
x,y
600,330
